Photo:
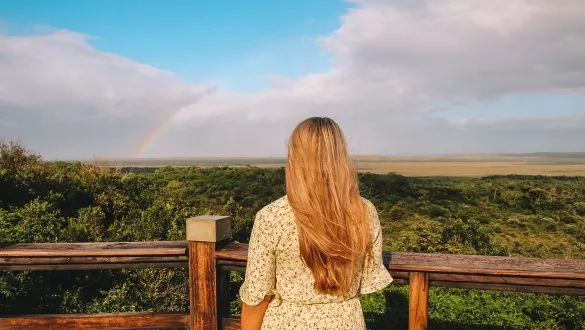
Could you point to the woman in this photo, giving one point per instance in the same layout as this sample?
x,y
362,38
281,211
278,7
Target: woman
x,y
314,250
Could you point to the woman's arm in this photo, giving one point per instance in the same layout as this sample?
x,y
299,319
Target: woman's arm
x,y
252,316
260,280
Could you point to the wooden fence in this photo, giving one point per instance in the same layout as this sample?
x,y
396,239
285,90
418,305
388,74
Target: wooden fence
x,y
210,258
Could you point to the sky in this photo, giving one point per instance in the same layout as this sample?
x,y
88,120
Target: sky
x,y
120,79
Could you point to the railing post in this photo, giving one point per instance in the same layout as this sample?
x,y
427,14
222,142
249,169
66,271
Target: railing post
x,y
203,233
418,312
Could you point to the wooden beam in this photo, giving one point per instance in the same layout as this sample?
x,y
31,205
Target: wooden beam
x,y
486,265
86,263
95,321
95,249
554,290
90,260
202,286
507,280
58,267
418,318
202,235
232,251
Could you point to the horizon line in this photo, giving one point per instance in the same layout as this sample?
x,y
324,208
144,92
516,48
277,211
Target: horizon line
x,y
397,155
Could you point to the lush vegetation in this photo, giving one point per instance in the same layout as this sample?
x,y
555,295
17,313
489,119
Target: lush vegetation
x,y
73,202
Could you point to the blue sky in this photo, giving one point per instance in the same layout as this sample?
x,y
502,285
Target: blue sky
x,y
233,42
129,78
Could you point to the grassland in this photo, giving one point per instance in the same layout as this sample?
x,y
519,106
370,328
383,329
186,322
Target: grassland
x,y
552,164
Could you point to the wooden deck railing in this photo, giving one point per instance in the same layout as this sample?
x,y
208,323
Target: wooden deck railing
x,y
209,262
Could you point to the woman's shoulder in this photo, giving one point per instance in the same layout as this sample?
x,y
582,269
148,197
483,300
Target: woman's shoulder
x,y
373,214
279,207
276,205
369,205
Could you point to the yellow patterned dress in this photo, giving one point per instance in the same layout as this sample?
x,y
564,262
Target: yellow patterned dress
x,y
276,267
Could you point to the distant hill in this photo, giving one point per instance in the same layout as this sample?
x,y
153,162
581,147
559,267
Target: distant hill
x,y
575,155
540,163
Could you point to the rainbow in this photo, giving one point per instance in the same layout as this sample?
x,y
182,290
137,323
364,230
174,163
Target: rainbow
x,y
147,139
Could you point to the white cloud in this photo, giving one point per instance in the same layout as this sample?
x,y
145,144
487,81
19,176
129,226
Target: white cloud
x,y
392,62
60,71
403,59
466,49
53,82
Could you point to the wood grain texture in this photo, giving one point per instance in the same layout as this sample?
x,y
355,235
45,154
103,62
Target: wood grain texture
x,y
87,256
95,321
202,286
499,283
232,251
231,263
59,267
418,301
554,290
400,275
486,265
109,249
90,260
508,280
85,263
230,268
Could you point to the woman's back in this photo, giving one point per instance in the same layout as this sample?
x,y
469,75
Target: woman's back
x,y
275,267
314,250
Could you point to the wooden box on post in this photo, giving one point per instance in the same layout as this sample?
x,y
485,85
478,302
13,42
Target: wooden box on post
x,y
203,232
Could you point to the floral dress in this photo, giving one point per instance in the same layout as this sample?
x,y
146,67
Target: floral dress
x,y
275,267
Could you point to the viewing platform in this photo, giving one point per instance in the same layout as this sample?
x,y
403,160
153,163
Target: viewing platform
x,y
210,257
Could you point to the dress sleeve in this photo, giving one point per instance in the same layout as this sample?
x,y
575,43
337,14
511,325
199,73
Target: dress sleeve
x,y
375,276
260,271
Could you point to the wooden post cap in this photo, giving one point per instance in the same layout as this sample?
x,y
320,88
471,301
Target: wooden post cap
x,y
207,228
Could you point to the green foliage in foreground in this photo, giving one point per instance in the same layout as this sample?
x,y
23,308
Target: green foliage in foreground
x,y
71,202
476,309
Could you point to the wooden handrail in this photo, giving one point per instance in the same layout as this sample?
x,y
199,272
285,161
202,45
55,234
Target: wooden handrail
x,y
109,249
444,269
204,258
96,321
86,256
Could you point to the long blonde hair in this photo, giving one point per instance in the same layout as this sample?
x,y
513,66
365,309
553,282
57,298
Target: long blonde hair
x,y
322,190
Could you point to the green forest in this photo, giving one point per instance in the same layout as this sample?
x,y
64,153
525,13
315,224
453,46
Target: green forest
x,y
41,201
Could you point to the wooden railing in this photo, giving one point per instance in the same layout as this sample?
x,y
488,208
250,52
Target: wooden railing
x,y
210,261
